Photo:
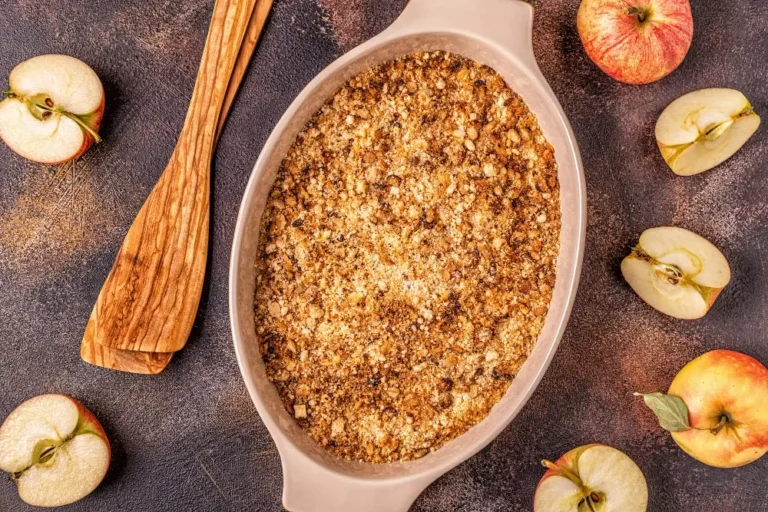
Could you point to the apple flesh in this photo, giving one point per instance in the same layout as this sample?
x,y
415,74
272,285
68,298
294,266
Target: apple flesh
x,y
52,110
592,478
726,393
55,449
704,128
676,272
636,41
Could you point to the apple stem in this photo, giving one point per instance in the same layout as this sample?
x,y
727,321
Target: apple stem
x,y
567,473
84,126
724,420
9,94
640,13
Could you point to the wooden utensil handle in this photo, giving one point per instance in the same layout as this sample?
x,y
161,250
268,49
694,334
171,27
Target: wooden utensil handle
x,y
252,33
225,37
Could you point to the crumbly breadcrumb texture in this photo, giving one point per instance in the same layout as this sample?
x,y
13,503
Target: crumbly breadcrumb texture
x,y
407,257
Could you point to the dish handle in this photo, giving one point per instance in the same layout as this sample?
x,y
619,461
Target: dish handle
x,y
310,487
506,23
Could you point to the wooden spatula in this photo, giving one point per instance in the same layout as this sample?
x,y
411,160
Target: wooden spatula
x,y
155,362
149,300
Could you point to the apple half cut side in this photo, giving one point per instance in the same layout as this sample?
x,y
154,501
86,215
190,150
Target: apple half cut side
x,y
55,449
592,478
704,128
53,109
676,272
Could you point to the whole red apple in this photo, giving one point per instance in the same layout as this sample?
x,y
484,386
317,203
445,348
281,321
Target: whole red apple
x,y
636,41
727,397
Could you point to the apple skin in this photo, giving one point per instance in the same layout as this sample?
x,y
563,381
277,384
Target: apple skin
x,y
90,422
723,382
95,124
632,50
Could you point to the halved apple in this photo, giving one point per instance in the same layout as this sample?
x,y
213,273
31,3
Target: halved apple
x,y
592,478
704,128
53,109
676,271
55,449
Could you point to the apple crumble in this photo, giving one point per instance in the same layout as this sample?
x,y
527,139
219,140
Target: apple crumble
x,y
407,257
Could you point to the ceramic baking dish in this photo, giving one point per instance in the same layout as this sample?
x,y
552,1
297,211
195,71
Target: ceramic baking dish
x,y
493,32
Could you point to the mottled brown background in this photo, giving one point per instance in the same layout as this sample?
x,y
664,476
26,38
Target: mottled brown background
x,y
190,439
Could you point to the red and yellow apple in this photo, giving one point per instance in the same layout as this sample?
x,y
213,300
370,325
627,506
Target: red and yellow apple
x,y
636,41
55,449
53,109
592,477
726,394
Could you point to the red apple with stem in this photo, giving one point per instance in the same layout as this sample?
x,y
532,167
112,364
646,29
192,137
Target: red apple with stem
x,y
636,41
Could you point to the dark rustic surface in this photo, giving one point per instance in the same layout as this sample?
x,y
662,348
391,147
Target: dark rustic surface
x,y
190,439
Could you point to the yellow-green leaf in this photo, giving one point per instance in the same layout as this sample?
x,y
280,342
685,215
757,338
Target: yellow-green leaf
x,y
669,409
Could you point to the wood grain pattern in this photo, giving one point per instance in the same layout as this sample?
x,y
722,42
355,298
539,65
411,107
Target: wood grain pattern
x,y
149,363
251,39
150,298
155,362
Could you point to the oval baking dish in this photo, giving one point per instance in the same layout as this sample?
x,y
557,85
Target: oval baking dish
x,y
492,32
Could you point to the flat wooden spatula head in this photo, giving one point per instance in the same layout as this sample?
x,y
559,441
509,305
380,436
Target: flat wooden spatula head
x,y
149,363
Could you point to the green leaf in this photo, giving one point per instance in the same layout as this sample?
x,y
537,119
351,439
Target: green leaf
x,y
669,409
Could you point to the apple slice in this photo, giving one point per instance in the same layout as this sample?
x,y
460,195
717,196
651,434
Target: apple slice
x,y
592,478
53,110
704,128
55,449
676,272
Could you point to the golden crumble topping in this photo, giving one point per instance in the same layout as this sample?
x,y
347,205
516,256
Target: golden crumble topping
x,y
407,257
